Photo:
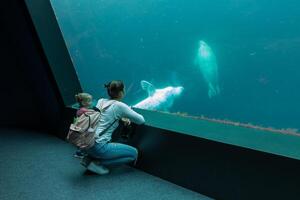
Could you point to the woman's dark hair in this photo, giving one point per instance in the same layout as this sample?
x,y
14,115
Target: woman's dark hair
x,y
114,88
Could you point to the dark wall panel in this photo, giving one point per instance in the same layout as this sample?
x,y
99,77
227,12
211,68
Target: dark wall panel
x,y
215,169
29,96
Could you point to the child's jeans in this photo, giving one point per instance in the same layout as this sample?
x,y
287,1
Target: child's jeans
x,y
113,153
79,153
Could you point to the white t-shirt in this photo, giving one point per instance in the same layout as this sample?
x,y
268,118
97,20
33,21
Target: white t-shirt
x,y
114,110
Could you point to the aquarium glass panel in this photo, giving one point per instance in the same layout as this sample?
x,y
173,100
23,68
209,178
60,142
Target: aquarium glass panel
x,y
234,60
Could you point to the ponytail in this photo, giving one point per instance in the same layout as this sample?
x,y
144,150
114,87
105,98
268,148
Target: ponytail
x,y
114,88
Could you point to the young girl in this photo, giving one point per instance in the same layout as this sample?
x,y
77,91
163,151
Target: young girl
x,y
85,102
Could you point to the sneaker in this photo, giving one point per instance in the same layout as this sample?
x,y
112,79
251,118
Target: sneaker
x,y
79,154
98,169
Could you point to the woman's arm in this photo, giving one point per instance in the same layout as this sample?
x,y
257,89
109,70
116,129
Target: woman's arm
x,y
126,112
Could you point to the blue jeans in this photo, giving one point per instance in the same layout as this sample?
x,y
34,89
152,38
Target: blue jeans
x,y
113,153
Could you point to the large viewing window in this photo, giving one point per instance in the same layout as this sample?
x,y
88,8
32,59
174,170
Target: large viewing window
x,y
233,60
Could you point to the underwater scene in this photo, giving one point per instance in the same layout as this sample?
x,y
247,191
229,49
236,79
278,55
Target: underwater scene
x,y
232,61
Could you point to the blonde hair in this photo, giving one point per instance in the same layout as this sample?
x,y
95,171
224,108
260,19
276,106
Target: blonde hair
x,y
84,99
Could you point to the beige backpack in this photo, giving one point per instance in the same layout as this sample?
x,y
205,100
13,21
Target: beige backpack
x,y
82,131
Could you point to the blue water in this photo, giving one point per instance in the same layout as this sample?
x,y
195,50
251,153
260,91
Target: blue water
x,y
256,44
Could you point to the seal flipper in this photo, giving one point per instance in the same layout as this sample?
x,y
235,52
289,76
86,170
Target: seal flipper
x,y
213,90
148,87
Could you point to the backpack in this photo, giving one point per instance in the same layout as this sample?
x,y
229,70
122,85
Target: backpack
x,y
82,130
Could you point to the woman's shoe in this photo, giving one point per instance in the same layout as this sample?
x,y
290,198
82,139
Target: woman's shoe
x,y
97,168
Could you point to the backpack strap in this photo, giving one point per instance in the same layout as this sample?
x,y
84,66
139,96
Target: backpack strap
x,y
102,133
101,108
89,121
